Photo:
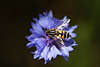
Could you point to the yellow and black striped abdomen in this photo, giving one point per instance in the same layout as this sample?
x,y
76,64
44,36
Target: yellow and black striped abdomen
x,y
61,34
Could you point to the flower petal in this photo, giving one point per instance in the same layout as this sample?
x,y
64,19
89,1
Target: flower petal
x,y
37,29
50,14
66,58
73,35
71,29
40,15
53,52
41,42
30,44
46,22
36,54
68,42
32,37
70,48
45,53
65,51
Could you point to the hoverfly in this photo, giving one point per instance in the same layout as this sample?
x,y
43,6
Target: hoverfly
x,y
58,34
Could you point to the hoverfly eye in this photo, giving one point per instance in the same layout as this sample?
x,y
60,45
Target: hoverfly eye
x,y
47,32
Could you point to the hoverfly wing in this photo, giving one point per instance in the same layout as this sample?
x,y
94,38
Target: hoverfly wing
x,y
64,24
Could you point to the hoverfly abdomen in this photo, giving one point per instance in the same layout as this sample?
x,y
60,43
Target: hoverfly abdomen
x,y
62,34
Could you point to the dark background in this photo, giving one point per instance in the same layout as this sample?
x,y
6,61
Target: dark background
x,y
15,18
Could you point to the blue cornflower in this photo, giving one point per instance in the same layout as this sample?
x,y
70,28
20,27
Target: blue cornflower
x,y
44,44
